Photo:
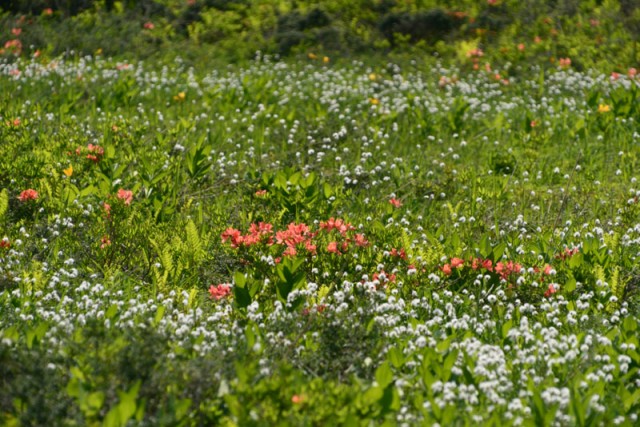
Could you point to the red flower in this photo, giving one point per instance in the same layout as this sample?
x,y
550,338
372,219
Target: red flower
x,y
398,253
149,25
550,290
126,195
29,194
261,193
395,202
234,235
220,291
5,243
16,31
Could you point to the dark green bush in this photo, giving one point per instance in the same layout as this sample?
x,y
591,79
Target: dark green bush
x,y
430,26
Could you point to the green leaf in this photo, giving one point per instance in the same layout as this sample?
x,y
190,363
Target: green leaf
x,y
631,400
239,280
384,375
576,260
373,395
498,251
127,405
569,285
485,246
241,296
111,311
630,324
95,399
396,357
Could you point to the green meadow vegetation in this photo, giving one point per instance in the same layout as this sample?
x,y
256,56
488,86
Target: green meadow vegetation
x,y
344,213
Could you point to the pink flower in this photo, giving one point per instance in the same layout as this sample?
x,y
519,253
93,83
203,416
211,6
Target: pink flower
x,y
395,202
29,194
220,291
149,25
261,193
632,72
126,195
16,31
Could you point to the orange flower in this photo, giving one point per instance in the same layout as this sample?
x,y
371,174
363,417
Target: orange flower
x,y
565,62
457,262
332,247
126,195
29,194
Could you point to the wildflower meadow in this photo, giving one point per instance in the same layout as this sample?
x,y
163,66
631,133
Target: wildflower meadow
x,y
320,238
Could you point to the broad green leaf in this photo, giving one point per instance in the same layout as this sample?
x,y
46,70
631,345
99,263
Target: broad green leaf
x,y
384,375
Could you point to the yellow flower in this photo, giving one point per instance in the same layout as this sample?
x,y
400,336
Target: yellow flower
x,y
312,55
180,97
68,171
603,108
326,59
99,52
374,101
372,76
